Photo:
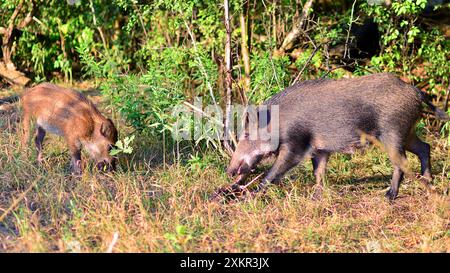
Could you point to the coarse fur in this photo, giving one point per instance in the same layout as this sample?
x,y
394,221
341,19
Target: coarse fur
x,y
68,113
320,117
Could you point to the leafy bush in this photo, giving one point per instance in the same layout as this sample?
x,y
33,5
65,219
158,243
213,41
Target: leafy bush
x,y
269,76
146,101
408,47
110,61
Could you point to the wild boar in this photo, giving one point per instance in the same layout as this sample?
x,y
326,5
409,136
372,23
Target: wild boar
x,y
70,114
319,117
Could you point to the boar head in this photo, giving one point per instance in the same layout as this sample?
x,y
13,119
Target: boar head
x,y
103,140
252,147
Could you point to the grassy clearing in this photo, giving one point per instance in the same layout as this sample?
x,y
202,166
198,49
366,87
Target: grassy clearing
x,y
157,207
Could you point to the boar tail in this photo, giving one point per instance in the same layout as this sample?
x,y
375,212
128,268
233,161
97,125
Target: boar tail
x,y
439,113
11,99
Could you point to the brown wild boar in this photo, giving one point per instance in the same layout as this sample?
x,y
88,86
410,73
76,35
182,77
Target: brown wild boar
x,y
70,114
319,117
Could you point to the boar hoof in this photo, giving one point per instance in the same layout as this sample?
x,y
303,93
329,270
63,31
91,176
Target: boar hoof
x,y
40,159
76,168
391,195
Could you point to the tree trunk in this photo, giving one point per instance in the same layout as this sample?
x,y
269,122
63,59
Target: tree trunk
x,y
274,23
12,76
228,80
245,51
7,40
292,37
7,69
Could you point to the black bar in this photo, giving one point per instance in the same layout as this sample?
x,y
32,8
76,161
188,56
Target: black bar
x,y
226,262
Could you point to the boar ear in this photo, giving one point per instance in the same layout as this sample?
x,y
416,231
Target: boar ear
x,y
108,130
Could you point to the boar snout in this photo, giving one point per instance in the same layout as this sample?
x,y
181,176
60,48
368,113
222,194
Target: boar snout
x,y
241,168
231,171
107,166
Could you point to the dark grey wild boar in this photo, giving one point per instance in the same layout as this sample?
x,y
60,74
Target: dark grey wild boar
x,y
319,117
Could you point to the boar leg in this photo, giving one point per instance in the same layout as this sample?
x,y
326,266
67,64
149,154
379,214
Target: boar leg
x,y
75,162
398,158
25,128
422,150
286,160
319,162
39,138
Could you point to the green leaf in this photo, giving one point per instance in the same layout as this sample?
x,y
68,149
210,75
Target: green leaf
x,y
114,152
180,229
64,28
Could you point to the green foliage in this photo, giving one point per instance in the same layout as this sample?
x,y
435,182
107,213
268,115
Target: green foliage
x,y
109,62
65,66
314,65
47,43
180,238
38,57
148,57
91,67
199,162
408,48
445,130
146,101
123,146
269,76
434,52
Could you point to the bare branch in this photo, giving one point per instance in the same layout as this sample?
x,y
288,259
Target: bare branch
x,y
14,15
292,36
29,16
98,27
307,62
228,79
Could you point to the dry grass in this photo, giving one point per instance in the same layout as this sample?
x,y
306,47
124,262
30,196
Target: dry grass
x,y
153,207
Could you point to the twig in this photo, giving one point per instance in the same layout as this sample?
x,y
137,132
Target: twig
x,y
228,79
349,30
292,36
95,24
307,62
138,11
113,242
251,182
